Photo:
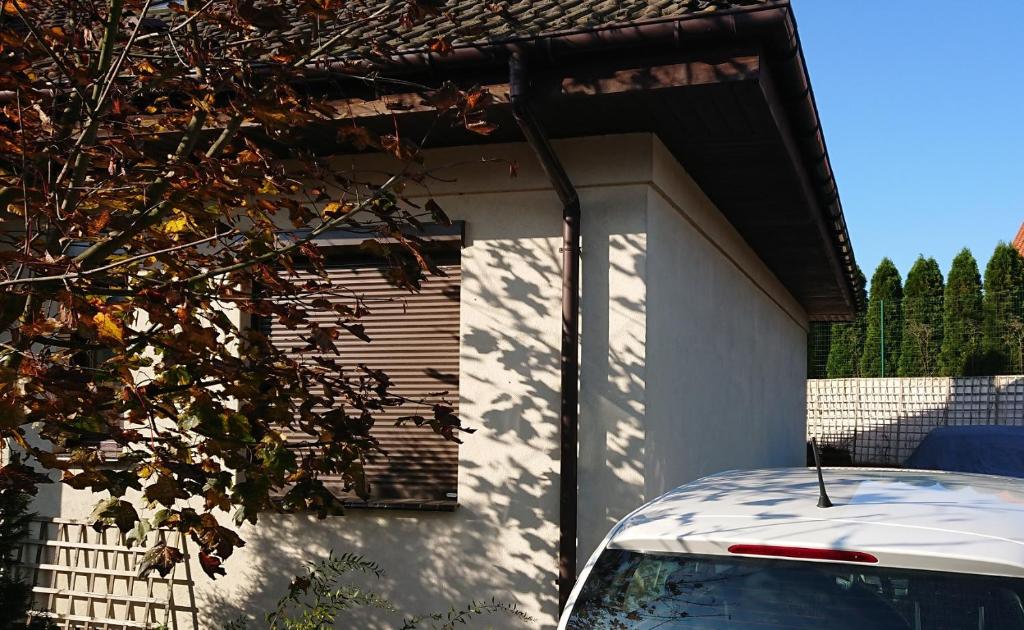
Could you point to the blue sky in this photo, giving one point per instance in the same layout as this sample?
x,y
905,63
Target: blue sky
x,y
923,109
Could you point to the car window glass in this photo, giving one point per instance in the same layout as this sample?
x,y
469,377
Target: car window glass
x,y
635,591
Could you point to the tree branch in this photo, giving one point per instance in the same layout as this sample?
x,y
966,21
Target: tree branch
x,y
121,263
148,215
111,77
276,253
51,54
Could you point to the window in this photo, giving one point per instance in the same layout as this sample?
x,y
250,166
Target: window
x,y
637,591
415,341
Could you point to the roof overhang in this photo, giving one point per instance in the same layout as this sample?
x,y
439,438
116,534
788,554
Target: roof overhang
x,y
727,93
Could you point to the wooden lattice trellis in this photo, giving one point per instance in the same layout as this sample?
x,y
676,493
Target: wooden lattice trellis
x,y
87,580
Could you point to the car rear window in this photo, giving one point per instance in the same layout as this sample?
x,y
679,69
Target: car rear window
x,y
638,591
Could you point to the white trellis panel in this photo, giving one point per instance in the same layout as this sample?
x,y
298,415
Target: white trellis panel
x,y
88,580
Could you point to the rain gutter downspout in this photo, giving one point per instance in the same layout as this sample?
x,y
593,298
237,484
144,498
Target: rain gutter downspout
x,y
569,362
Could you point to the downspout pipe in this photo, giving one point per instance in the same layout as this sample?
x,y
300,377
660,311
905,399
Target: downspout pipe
x,y
569,358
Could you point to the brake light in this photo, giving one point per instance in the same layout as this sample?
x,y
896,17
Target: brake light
x,y
803,553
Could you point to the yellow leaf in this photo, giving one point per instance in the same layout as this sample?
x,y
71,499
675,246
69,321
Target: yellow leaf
x,y
145,67
176,225
108,327
334,208
268,188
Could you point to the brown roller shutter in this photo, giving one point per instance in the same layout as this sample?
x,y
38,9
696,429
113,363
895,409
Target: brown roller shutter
x,y
415,340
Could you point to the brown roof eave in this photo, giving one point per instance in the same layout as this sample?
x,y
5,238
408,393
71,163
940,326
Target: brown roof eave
x,y
771,25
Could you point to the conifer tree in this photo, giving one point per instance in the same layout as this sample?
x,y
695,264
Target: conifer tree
x,y
1002,307
882,337
16,490
921,335
819,335
961,318
847,342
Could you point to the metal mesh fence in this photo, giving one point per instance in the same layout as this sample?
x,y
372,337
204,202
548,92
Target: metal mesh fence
x,y
880,421
922,338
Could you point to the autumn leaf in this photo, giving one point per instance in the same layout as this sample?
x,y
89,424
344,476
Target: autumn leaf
x,y
211,565
113,512
99,222
337,208
401,148
11,7
108,328
161,559
12,413
175,225
164,490
436,213
481,127
144,67
441,46
138,534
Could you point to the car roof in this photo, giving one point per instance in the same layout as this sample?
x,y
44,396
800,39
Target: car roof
x,y
915,519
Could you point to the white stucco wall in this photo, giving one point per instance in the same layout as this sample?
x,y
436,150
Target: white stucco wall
x,y
699,368
692,362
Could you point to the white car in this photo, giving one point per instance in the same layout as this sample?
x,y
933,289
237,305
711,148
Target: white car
x,y
899,549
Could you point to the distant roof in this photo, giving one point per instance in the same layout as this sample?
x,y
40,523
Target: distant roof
x,y
906,518
1018,241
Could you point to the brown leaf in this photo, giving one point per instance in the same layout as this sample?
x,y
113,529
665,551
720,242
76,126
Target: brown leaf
x,y
478,98
445,97
264,18
113,512
437,214
211,565
145,67
401,148
360,137
481,127
160,558
441,46
98,222
165,490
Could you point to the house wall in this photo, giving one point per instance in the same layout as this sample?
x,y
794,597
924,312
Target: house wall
x,y
692,361
710,379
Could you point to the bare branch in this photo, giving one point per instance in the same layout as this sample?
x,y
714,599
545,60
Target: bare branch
x,y
75,275
178,27
277,253
51,54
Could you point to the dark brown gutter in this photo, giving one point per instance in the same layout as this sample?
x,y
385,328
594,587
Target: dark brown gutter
x,y
568,491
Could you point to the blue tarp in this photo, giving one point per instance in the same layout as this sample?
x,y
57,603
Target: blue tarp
x,y
992,450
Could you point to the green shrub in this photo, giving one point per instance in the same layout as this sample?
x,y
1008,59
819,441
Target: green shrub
x,y
320,598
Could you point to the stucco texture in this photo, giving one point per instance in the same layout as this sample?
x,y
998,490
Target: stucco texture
x,y
692,362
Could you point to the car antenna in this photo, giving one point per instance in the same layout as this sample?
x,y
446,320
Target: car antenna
x,y
823,500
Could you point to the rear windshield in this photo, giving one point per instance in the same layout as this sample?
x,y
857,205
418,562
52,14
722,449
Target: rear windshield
x,y
637,591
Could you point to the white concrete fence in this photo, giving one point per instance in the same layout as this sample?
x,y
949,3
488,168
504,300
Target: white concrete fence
x,y
882,420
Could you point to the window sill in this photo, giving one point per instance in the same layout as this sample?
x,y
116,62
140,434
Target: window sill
x,y
414,505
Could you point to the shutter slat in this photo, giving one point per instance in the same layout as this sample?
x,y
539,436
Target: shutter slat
x,y
415,341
